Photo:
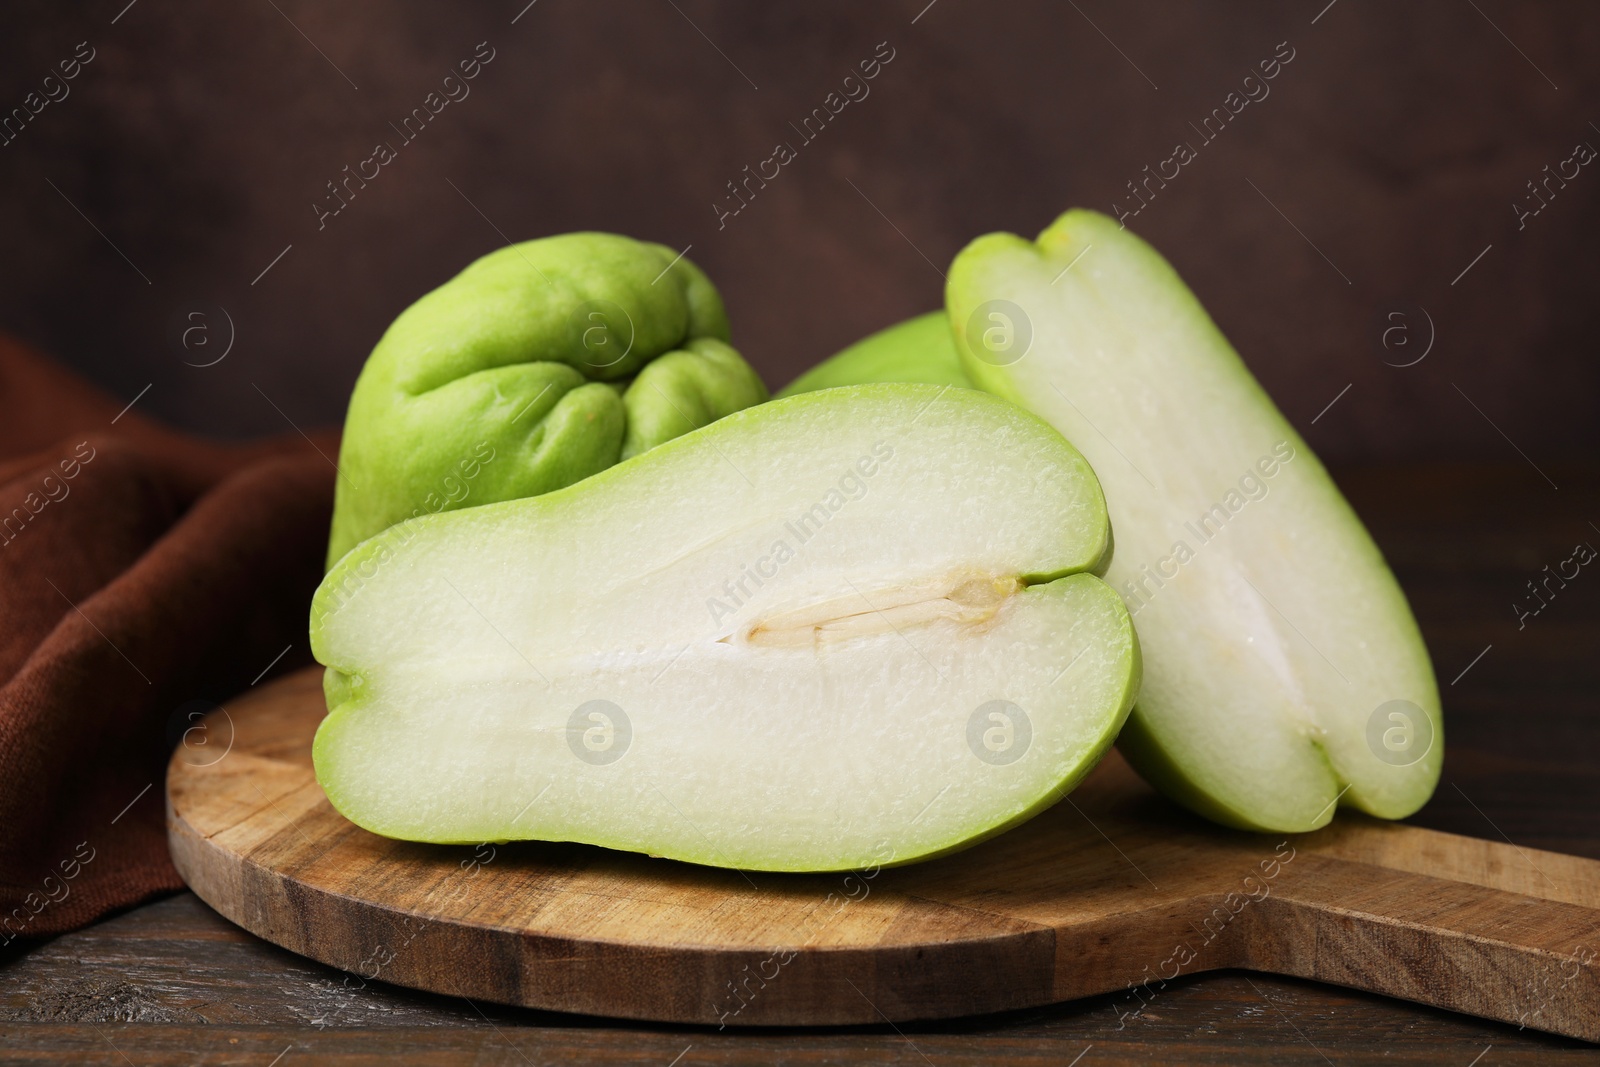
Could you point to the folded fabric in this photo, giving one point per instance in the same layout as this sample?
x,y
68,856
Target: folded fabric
x,y
142,571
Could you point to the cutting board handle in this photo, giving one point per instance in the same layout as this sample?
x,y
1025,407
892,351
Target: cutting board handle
x,y
1492,929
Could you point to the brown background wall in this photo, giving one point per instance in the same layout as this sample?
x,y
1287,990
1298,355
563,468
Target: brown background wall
x,y
1397,140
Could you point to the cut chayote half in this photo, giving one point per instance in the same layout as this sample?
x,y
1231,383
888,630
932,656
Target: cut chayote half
x,y
539,365
1284,673
854,628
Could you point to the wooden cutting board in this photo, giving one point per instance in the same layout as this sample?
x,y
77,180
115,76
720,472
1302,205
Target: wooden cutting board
x,y
1112,890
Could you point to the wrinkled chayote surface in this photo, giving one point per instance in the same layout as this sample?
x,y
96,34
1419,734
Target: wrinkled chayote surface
x,y
540,364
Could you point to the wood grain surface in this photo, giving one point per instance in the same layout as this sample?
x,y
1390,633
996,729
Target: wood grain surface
x,y
1114,889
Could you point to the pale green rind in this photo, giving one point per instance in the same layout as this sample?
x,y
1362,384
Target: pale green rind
x,y
1163,772
376,645
501,383
1116,727
1128,668
1266,736
917,350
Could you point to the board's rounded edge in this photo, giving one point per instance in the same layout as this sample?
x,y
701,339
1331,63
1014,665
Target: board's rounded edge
x,y
831,986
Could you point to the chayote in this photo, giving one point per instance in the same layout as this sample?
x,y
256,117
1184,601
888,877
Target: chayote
x,y
540,364
916,350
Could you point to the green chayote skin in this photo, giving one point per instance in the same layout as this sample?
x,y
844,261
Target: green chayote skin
x,y
540,364
917,350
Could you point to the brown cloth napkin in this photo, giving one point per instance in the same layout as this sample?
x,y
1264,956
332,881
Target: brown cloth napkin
x,y
141,570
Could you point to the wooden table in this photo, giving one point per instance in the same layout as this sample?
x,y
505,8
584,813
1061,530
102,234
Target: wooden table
x,y
172,983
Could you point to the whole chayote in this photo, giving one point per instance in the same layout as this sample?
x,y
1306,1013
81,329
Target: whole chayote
x,y
540,364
